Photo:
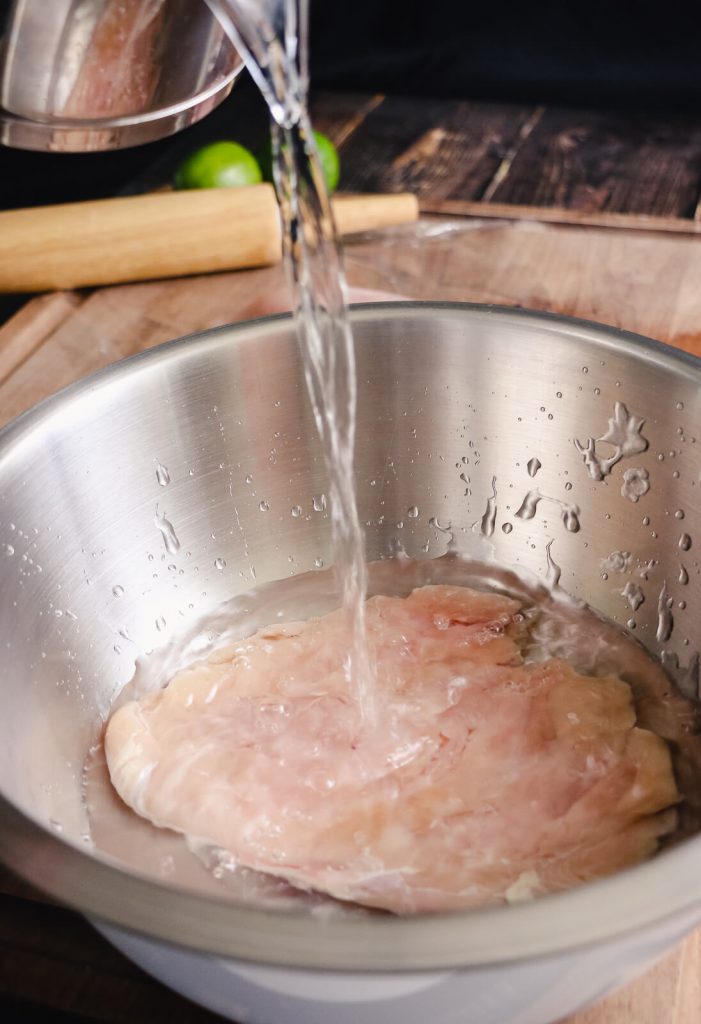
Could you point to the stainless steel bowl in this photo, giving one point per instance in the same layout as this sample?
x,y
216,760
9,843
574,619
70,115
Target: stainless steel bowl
x,y
88,584
81,75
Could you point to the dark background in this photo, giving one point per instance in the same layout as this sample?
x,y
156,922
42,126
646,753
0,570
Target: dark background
x,y
602,54
618,52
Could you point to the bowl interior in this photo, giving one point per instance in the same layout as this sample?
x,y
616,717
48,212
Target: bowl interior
x,y
134,504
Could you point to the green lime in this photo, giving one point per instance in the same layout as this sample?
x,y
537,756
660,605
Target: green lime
x,y
330,163
218,165
328,156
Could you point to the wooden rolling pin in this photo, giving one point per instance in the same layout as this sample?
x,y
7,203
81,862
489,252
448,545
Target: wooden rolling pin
x,y
163,234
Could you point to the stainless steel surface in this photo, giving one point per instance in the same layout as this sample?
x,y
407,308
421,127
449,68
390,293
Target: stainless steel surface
x,y
438,384
102,74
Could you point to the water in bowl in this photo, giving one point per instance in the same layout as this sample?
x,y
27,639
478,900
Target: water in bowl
x,y
557,627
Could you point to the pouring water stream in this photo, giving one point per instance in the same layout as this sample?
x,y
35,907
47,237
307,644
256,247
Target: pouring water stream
x,y
271,36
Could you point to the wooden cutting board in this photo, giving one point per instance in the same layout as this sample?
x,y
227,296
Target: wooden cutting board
x,y
645,282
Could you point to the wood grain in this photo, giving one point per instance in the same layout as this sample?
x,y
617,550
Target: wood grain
x,y
113,323
562,215
642,282
620,162
454,152
164,234
433,148
135,238
31,326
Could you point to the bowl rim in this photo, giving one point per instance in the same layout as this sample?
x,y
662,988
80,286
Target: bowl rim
x,y
661,890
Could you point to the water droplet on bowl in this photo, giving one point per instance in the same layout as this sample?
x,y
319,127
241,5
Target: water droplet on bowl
x,y
167,531
529,505
162,474
570,517
436,524
636,483
617,561
633,595
553,572
490,514
665,619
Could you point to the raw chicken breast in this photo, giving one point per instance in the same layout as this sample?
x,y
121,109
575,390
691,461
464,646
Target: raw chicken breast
x,y
484,779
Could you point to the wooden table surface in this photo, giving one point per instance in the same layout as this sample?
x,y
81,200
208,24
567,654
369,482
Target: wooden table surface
x,y
583,213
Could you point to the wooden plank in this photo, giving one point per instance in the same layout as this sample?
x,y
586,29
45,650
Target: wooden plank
x,y
436,148
53,954
31,326
642,282
622,162
113,323
562,215
451,152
